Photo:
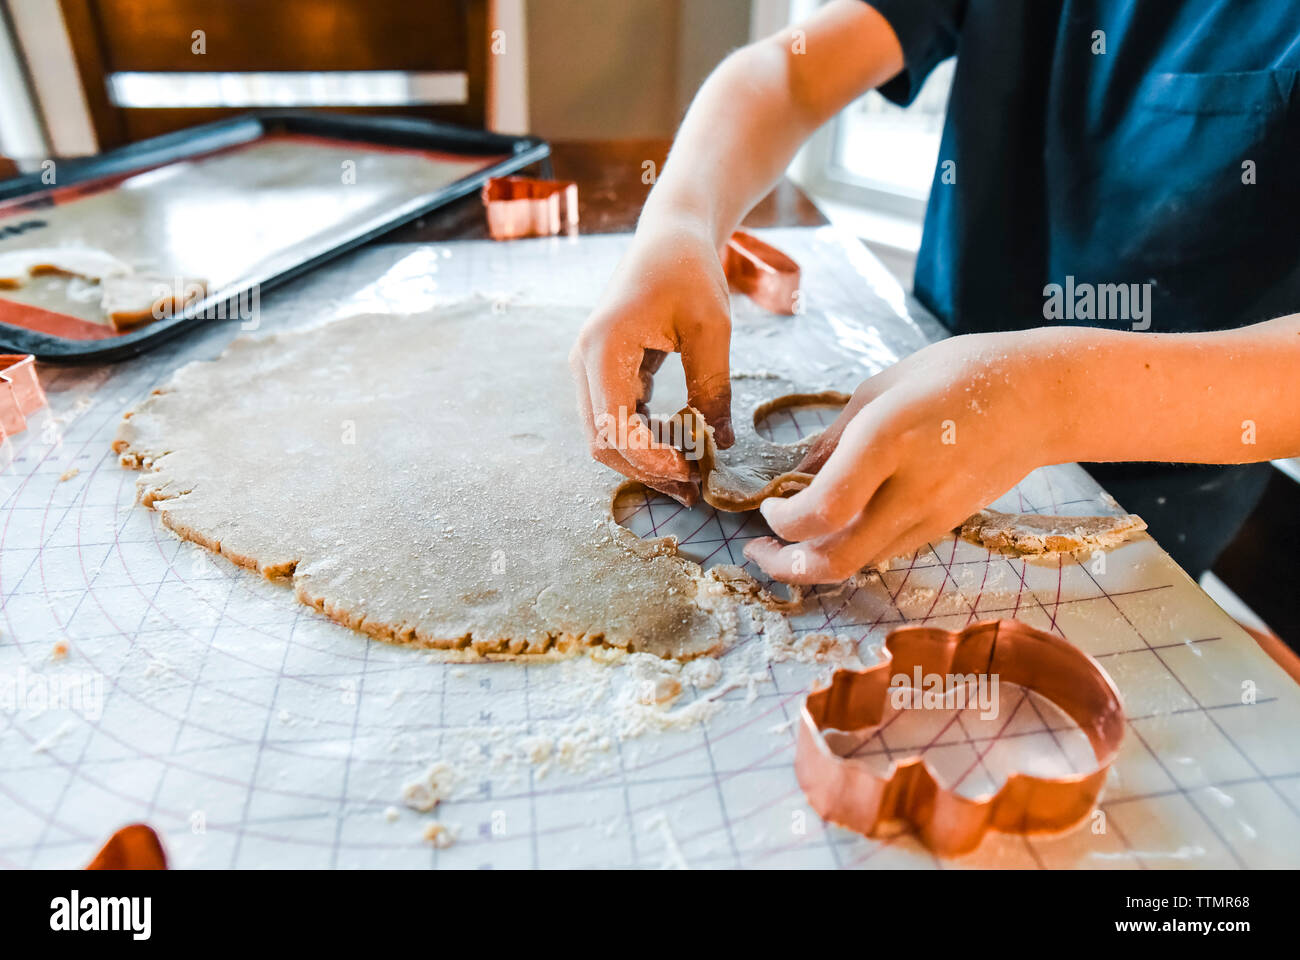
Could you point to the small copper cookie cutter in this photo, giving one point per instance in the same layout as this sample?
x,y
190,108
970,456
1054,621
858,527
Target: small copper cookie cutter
x,y
762,272
528,207
20,392
847,792
134,847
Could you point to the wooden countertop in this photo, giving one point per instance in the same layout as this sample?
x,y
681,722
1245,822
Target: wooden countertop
x,y
610,194
611,190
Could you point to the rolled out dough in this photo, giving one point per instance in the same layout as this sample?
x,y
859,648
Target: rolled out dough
x,y
423,479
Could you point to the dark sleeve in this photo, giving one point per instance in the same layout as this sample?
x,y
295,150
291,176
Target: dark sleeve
x,y
928,32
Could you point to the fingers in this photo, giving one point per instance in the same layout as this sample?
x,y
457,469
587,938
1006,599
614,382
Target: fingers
x,y
836,557
610,375
706,361
916,537
687,493
684,491
651,361
944,516
841,489
829,438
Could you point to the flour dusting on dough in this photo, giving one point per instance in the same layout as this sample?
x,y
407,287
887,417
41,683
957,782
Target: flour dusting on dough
x,y
422,479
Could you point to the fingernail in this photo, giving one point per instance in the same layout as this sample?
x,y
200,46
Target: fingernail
x,y
771,510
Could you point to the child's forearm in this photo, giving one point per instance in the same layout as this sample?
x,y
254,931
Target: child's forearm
x,y
757,108
1225,397
738,136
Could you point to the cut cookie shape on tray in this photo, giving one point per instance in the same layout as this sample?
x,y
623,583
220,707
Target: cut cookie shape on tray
x,y
127,298
139,298
17,266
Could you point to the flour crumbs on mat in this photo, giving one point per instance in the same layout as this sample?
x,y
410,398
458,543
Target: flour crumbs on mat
x,y
427,791
440,835
592,703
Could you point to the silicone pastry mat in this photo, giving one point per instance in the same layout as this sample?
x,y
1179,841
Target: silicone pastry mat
x,y
252,732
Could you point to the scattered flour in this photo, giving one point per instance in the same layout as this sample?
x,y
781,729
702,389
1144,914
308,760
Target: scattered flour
x,y
586,706
674,859
45,743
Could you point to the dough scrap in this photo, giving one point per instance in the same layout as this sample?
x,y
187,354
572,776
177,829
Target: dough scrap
x,y
421,478
754,468
1030,534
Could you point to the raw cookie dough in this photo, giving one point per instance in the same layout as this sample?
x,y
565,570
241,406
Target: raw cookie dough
x,y
424,479
1028,534
753,468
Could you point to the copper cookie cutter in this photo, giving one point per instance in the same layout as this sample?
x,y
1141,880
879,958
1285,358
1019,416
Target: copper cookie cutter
x,y
134,847
762,272
528,207
847,792
20,392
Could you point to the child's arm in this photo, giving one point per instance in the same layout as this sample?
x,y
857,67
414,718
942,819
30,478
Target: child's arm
x,y
669,293
947,430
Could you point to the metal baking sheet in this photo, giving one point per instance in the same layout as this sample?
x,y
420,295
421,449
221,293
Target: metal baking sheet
x,y
240,205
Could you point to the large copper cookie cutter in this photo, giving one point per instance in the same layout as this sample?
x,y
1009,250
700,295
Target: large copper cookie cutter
x,y
528,207
20,392
847,792
134,847
761,272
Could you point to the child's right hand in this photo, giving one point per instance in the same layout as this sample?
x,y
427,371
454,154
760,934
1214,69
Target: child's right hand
x,y
669,293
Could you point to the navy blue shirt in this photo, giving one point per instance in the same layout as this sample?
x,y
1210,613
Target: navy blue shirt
x,y
1169,163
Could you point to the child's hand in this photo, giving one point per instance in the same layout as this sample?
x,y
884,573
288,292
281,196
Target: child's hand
x,y
668,294
919,448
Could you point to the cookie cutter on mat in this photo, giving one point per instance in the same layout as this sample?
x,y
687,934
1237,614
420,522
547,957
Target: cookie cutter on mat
x,y
528,207
20,392
847,792
762,272
134,847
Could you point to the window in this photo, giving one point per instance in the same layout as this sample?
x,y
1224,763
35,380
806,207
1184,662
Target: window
x,y
881,146
879,156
